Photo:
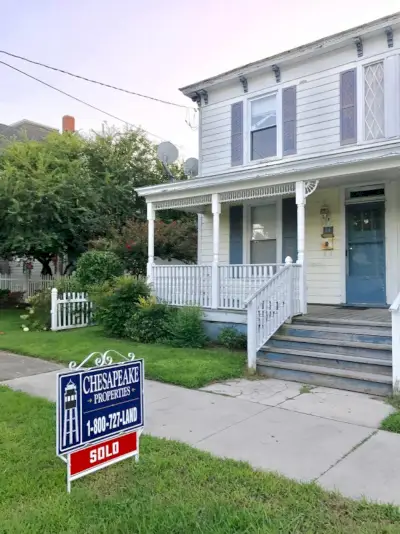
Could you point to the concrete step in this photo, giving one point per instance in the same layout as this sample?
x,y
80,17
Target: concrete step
x,y
340,332
352,348
373,384
324,359
305,319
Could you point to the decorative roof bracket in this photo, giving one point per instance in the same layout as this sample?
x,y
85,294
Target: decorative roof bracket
x,y
359,45
389,36
243,81
204,94
277,72
197,98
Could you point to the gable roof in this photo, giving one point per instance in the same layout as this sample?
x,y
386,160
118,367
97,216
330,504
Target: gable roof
x,y
331,42
32,130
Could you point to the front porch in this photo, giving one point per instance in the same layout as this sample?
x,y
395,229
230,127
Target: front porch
x,y
321,250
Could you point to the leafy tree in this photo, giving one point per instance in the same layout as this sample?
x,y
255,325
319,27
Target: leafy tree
x,y
59,194
47,199
175,239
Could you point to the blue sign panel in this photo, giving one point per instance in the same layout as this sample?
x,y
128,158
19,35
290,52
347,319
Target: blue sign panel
x,y
94,404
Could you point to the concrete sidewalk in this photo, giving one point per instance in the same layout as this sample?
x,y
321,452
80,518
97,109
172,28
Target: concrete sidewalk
x,y
326,435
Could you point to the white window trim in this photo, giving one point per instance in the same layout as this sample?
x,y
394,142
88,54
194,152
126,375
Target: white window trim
x,y
391,93
247,130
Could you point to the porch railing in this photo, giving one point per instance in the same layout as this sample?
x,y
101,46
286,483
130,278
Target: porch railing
x,y
395,310
276,301
192,285
237,282
183,285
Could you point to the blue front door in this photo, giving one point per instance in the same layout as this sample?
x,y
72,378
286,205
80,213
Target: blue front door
x,y
365,253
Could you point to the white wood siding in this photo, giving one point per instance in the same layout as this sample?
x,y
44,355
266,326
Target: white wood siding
x,y
318,115
206,237
318,103
215,146
324,267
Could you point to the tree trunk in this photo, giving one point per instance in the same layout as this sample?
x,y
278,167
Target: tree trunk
x,y
46,269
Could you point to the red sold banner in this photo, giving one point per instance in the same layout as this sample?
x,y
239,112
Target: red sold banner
x,y
103,454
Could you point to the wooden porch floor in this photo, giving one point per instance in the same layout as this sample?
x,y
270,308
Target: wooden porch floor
x,y
350,315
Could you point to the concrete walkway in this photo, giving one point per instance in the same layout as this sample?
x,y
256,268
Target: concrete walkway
x,y
326,435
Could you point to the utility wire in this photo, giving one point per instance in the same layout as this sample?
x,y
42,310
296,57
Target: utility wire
x,y
79,100
94,81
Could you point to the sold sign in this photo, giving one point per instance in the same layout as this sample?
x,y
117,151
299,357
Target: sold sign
x,y
90,459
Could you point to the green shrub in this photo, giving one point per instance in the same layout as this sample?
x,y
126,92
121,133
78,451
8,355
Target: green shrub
x,y
115,302
186,329
69,284
38,316
11,299
149,323
96,267
232,339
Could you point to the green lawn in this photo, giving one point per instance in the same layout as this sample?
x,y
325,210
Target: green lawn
x,y
174,489
392,422
192,368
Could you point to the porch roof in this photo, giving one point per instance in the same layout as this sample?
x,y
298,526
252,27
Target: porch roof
x,y
279,175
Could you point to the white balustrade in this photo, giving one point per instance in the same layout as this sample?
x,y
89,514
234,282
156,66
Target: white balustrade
x,y
183,285
237,282
276,301
395,309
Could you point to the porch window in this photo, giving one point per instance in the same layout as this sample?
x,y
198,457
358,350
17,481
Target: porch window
x,y
263,127
263,234
374,105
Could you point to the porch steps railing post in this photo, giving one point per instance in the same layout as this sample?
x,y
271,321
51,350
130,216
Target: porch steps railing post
x,y
395,309
252,335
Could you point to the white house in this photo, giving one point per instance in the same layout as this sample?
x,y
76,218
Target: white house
x,y
299,160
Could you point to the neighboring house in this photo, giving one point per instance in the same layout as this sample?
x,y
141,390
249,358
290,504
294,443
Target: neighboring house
x,y
25,129
33,131
300,158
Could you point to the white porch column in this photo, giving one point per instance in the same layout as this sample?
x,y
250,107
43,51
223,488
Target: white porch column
x,y
216,211
301,232
150,222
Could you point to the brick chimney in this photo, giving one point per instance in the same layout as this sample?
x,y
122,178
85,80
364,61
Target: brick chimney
x,y
68,123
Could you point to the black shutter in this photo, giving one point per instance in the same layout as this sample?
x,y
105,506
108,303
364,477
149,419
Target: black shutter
x,y
289,120
237,134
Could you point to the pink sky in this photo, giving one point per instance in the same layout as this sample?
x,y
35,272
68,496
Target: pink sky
x,y
152,47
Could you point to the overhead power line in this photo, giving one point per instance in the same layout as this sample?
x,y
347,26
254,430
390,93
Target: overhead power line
x,y
95,81
79,100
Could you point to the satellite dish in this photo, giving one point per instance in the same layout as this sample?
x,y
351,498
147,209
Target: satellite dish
x,y
167,153
191,167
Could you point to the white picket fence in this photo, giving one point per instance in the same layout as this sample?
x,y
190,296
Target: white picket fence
x,y
27,285
70,310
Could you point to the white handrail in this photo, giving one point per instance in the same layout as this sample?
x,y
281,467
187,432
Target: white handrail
x,y
395,309
270,306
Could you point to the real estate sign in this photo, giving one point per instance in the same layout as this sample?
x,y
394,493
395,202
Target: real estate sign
x,y
99,414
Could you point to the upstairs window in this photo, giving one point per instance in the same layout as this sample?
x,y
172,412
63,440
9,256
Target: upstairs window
x,y
374,104
263,128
